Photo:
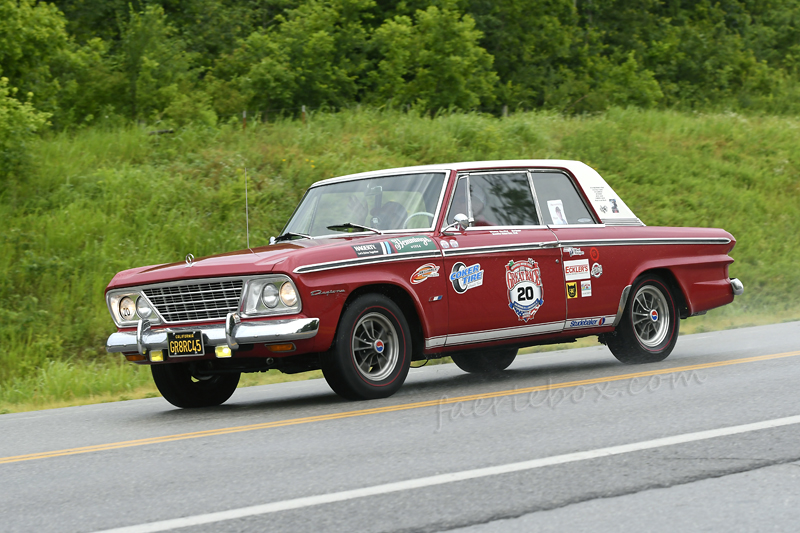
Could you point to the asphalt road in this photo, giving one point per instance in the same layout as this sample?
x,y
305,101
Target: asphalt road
x,y
565,441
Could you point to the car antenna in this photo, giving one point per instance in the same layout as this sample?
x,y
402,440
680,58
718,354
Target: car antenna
x,y
246,210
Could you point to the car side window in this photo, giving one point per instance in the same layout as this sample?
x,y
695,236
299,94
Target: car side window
x,y
496,200
559,201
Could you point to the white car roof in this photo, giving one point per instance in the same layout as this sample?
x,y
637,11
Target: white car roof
x,y
608,205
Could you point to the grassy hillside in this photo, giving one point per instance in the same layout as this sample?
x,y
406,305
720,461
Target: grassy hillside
x,y
100,201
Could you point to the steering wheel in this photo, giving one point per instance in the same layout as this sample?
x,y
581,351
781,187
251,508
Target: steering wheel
x,y
418,213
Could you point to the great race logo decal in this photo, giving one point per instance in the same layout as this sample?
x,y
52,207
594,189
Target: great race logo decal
x,y
525,291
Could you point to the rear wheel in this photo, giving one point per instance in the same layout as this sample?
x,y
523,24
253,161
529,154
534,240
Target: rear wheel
x,y
181,387
485,361
372,350
649,327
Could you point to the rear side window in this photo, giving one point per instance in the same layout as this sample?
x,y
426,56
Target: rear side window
x,y
559,201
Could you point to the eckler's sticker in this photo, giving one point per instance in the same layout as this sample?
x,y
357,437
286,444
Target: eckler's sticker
x,y
401,245
597,270
578,269
586,289
466,277
525,290
428,270
572,289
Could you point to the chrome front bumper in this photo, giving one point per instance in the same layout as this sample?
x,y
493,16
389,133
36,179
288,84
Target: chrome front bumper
x,y
737,286
233,333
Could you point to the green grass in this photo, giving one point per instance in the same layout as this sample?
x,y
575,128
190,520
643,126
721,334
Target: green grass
x,y
99,201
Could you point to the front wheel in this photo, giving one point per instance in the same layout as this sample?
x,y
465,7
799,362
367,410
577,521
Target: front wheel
x,y
649,327
485,361
371,354
181,387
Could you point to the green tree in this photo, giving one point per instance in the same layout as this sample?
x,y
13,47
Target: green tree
x,y
19,122
433,62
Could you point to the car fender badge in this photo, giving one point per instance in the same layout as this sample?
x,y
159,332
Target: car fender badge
x,y
189,260
525,288
428,270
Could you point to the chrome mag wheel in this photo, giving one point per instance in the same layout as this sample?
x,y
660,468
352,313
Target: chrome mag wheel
x,y
375,348
651,318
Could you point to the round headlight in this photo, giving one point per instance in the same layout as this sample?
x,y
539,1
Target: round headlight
x,y
127,308
142,308
269,295
288,294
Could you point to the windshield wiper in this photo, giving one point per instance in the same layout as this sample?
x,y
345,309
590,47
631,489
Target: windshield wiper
x,y
289,235
350,226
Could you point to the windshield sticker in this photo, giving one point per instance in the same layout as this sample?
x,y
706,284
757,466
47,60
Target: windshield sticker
x,y
525,290
556,209
597,270
586,289
578,269
401,245
572,289
428,270
465,277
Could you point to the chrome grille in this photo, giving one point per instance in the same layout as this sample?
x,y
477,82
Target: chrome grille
x,y
200,301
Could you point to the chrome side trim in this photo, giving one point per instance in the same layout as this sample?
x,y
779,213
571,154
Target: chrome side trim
x,y
504,333
500,248
146,339
737,286
647,241
318,267
435,342
623,299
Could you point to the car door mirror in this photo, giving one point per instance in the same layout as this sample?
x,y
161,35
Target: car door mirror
x,y
461,222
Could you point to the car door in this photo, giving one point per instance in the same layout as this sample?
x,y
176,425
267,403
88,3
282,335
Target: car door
x,y
504,275
594,266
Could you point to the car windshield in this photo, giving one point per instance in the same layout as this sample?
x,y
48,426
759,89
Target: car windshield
x,y
405,202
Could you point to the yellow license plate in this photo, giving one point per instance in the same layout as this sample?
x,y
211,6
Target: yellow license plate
x,y
185,343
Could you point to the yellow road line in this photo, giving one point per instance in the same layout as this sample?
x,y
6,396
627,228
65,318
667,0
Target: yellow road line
x,y
386,409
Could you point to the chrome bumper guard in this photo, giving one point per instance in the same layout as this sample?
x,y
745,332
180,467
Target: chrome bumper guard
x,y
737,286
233,334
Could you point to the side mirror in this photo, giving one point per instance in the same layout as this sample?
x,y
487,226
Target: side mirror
x,y
461,222
272,240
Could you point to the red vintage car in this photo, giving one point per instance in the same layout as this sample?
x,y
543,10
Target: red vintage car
x,y
374,270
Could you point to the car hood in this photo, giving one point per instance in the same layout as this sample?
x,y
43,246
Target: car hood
x,y
242,262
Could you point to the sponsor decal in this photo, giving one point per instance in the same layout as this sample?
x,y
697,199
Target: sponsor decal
x,y
613,202
428,270
586,289
578,269
597,270
525,290
454,244
466,277
326,293
400,245
572,289
573,251
435,298
504,232
445,244
594,253
586,322
603,209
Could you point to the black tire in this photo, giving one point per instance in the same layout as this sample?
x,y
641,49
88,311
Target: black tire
x,y
181,388
648,330
371,353
485,361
